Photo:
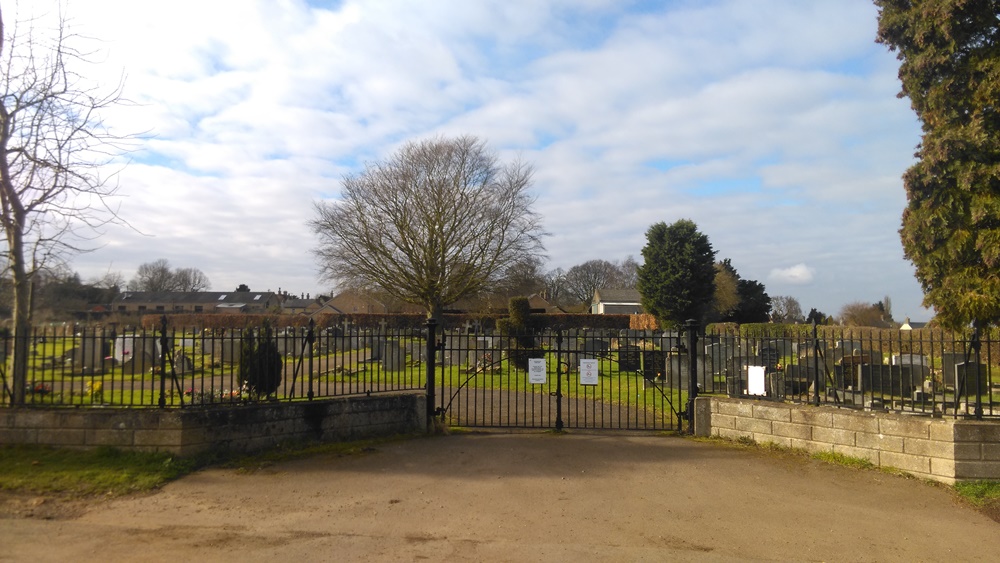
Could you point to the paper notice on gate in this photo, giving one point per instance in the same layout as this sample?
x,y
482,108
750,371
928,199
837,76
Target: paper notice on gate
x,y
588,372
536,371
755,379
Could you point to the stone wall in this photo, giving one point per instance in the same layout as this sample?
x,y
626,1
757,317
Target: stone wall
x,y
233,427
945,450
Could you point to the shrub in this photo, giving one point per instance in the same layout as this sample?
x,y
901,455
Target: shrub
x,y
260,362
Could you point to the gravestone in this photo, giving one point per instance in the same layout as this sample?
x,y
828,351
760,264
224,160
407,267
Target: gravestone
x,y
919,366
89,356
393,356
848,347
137,353
784,348
799,378
183,364
455,353
769,358
593,348
291,344
482,353
966,383
654,364
629,358
678,374
891,380
948,362
376,348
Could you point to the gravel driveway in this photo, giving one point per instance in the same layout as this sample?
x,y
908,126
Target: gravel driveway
x,y
528,496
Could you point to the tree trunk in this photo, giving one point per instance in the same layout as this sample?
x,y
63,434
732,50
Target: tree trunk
x,y
435,311
22,319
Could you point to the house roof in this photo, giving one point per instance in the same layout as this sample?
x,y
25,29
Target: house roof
x,y
617,296
196,297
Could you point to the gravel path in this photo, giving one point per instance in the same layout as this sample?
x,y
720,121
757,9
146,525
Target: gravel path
x,y
529,496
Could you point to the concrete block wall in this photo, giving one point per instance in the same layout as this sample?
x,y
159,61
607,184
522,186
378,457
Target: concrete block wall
x,y
945,450
233,427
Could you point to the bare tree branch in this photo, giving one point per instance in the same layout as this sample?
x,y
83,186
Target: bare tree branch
x,y
53,147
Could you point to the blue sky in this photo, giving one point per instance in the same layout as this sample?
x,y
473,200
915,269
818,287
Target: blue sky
x,y
772,124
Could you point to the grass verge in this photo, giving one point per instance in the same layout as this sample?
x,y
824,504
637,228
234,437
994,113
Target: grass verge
x,y
111,472
103,471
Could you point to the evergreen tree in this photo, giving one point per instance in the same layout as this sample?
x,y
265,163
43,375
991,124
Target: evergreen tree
x,y
950,70
677,277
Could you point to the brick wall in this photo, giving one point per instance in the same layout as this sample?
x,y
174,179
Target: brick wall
x,y
945,450
235,427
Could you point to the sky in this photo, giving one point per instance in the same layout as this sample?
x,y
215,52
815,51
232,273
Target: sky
x,y
773,124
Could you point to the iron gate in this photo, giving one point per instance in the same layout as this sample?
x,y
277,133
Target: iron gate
x,y
614,380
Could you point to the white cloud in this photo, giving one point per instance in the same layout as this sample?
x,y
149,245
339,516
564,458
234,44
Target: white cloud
x,y
798,274
773,125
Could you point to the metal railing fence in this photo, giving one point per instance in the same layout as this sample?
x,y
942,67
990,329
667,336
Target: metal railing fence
x,y
929,372
601,378
181,368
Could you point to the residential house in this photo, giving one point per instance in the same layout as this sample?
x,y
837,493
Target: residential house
x,y
152,302
617,302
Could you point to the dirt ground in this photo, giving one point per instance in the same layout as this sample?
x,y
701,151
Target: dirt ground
x,y
517,497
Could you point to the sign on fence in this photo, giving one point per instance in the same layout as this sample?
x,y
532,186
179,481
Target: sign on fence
x,y
537,371
588,372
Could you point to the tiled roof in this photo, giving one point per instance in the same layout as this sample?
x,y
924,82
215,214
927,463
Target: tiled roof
x,y
618,296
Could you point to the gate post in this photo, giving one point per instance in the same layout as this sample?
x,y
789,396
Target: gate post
x,y
815,382
310,341
163,362
431,349
692,334
559,420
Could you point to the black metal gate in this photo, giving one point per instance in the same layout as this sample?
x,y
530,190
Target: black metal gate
x,y
595,379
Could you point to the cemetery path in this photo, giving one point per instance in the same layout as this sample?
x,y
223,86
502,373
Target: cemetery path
x,y
526,496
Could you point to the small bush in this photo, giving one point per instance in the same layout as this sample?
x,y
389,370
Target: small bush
x,y
260,362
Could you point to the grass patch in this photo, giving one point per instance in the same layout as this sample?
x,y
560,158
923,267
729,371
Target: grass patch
x,y
113,472
844,460
105,471
979,493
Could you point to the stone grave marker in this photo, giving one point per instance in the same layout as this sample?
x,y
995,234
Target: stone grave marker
x,y
966,384
593,348
654,364
629,358
183,364
393,355
89,356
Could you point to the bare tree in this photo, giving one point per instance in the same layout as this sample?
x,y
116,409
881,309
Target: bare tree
x,y
159,276
584,279
628,273
191,279
153,276
52,146
863,314
437,221
786,309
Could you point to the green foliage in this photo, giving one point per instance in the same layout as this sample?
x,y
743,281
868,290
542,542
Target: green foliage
x,y
979,493
755,305
520,329
260,362
520,312
950,69
677,278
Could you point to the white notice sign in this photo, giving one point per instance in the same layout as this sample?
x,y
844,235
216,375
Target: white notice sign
x,y
536,371
755,380
588,372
